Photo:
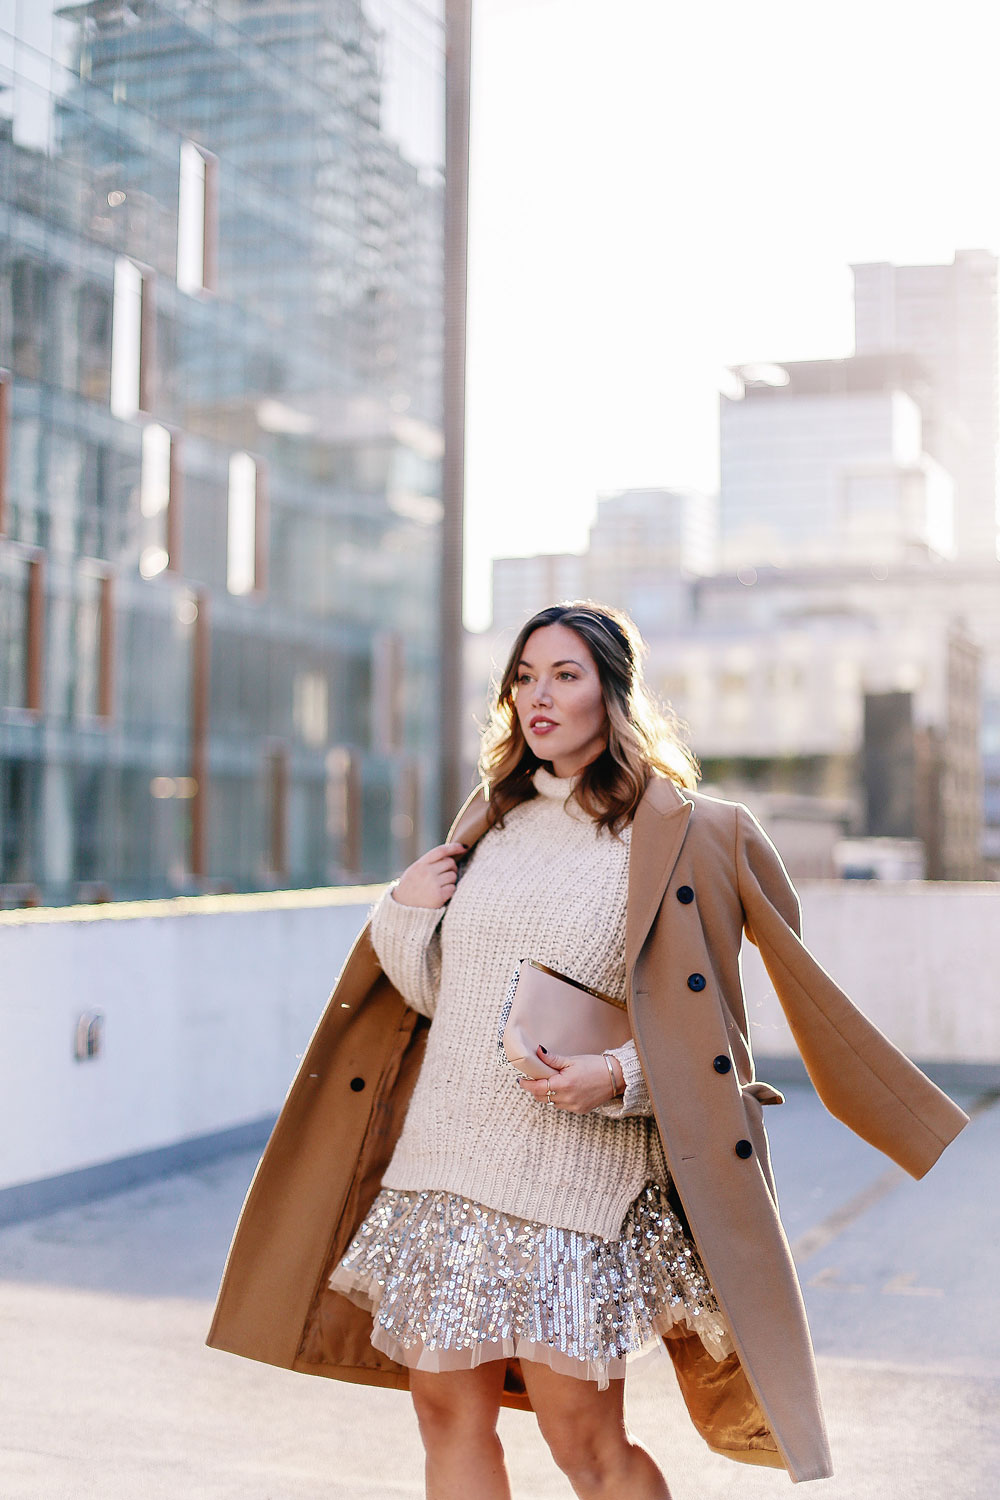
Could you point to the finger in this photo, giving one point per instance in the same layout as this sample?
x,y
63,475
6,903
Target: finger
x,y
553,1059
436,861
440,851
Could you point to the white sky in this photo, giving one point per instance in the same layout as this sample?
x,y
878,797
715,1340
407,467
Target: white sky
x,y
659,190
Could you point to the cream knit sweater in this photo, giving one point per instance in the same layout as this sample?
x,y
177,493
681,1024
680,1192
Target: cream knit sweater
x,y
547,885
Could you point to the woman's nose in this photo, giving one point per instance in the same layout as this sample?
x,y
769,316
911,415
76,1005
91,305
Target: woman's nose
x,y
541,693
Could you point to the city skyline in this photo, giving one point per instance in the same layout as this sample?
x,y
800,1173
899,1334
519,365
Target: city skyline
x,y
613,280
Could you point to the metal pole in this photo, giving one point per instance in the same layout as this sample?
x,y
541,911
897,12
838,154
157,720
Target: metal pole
x,y
458,61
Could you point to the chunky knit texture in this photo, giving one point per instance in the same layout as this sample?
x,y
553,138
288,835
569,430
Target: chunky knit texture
x,y
548,885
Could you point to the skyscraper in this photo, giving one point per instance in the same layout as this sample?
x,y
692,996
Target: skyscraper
x,y
946,315
825,461
221,334
645,544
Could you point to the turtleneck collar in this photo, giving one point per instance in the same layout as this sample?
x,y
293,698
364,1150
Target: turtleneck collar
x,y
547,785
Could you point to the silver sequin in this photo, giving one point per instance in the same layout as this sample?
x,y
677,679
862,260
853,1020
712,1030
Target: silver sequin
x,y
452,1284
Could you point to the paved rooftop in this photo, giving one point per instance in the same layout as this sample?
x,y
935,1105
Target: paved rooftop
x,y
108,1390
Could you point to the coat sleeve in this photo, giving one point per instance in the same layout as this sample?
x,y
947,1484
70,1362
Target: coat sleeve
x,y
407,943
858,1074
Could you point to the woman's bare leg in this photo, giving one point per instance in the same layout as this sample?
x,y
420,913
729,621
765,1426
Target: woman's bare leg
x,y
586,1433
457,1412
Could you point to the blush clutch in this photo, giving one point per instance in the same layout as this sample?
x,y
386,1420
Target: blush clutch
x,y
568,1018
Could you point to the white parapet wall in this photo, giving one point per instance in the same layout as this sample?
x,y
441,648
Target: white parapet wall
x,y
208,1002
921,959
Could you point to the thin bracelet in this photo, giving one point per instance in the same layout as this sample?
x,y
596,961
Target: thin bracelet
x,y
614,1081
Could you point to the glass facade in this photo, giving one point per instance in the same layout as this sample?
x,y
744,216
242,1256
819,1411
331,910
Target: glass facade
x,y
221,338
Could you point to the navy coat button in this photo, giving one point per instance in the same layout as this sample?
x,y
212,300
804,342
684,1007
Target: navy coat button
x,y
357,1084
685,895
744,1149
721,1064
696,981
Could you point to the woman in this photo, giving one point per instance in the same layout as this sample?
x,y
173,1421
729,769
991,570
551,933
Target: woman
x,y
488,1240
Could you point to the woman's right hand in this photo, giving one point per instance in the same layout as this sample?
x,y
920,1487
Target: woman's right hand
x,y
430,880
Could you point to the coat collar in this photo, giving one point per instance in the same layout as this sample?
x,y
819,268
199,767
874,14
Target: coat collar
x,y
658,831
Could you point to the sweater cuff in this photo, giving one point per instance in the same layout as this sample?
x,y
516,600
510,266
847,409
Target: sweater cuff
x,y
635,1100
414,924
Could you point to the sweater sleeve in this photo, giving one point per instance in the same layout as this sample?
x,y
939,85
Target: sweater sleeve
x,y
635,1100
407,943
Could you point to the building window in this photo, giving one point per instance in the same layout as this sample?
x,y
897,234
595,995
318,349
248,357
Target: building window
x,y
20,804
13,627
133,323
4,444
197,219
387,692
195,611
277,797
35,660
343,808
22,628
29,316
311,707
93,692
246,551
159,501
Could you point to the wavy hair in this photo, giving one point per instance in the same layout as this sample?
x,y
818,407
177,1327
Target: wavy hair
x,y
643,739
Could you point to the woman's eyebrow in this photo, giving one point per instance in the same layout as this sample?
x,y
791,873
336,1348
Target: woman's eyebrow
x,y
568,662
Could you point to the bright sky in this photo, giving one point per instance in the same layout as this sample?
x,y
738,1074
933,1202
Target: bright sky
x,y
659,190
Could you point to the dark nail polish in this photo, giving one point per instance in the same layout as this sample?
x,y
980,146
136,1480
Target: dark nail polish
x,y
544,1049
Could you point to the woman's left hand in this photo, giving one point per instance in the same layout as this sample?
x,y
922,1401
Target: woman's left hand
x,y
578,1085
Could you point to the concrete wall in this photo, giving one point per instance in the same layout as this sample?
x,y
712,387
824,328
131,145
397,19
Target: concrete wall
x,y
209,1002
921,959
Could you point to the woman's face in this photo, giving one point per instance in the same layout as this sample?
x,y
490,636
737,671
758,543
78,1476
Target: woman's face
x,y
559,702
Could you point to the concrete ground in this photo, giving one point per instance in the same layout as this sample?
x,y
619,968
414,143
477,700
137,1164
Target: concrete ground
x,y
108,1391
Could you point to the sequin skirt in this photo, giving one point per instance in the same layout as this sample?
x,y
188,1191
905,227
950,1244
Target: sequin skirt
x,y
452,1284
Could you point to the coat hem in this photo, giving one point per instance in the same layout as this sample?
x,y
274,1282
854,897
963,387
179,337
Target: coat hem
x,y
767,1458
355,1374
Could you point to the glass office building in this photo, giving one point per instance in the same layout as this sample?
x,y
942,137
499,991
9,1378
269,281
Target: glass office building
x,y
221,293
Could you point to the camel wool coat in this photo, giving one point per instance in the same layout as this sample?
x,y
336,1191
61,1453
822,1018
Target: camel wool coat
x,y
701,873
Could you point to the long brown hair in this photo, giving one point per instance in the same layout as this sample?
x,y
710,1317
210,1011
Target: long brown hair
x,y
643,739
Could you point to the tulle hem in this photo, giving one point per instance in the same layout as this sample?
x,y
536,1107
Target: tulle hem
x,y
439,1361
452,1284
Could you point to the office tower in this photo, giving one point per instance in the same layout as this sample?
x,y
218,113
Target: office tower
x,y
825,461
946,315
524,585
839,701
645,544
221,287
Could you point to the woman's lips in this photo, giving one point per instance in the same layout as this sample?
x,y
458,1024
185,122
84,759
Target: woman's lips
x,y
542,726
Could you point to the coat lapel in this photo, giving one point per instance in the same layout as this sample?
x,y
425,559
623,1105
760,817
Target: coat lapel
x,y
658,831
